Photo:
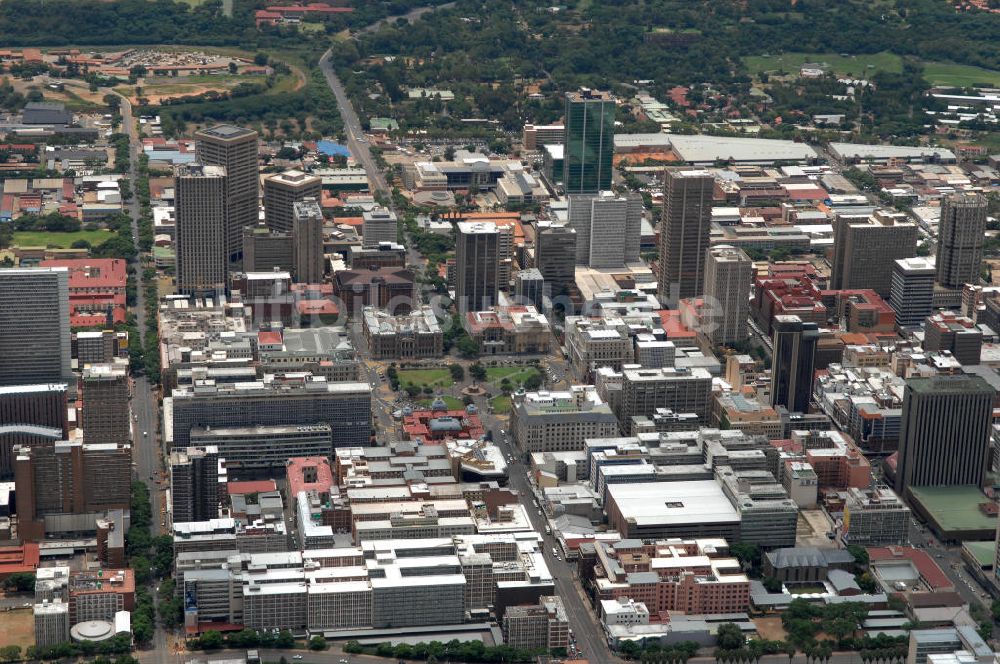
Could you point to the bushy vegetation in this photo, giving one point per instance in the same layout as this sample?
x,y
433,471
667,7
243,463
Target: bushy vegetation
x,y
454,650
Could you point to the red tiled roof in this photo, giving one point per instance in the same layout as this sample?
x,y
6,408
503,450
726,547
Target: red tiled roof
x,y
295,472
18,559
250,486
269,338
932,575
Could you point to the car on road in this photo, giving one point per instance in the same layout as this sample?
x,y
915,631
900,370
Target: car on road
x,y
145,433
296,656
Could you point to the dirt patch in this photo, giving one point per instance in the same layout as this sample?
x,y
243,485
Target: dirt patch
x,y
770,628
18,628
639,157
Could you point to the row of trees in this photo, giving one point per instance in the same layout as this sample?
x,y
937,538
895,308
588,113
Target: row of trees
x,y
454,650
247,638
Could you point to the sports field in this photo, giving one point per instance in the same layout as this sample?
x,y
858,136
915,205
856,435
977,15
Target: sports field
x,y
936,73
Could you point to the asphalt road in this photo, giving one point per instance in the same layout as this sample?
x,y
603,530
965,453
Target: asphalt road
x,y
356,141
588,632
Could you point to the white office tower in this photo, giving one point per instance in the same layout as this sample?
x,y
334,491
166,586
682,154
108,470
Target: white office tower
x,y
607,228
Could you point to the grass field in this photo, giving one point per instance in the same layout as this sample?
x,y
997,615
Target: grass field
x,y
947,73
18,628
936,73
451,402
852,64
60,240
515,375
501,405
425,378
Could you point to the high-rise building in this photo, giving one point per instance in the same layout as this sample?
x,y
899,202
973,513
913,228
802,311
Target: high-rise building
x,y
477,264
912,292
275,401
555,256
865,247
957,334
378,225
105,389
30,414
51,623
945,436
265,249
792,369
34,326
63,486
961,232
307,229
589,141
607,228
235,150
684,230
728,277
644,391
195,482
282,191
200,202
542,626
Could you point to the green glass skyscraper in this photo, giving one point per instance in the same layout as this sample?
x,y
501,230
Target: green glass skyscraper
x,y
590,141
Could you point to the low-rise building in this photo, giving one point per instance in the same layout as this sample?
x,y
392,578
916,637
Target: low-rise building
x,y
513,330
560,421
542,626
413,335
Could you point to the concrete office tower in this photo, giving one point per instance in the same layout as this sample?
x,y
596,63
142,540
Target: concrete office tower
x,y
234,149
912,292
307,224
793,366
864,249
555,256
607,228
51,623
195,483
378,225
282,191
265,249
105,404
589,141
529,287
960,239
477,263
945,432
684,229
34,326
200,202
728,276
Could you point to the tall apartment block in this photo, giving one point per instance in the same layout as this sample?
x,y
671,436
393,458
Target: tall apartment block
x,y
945,434
589,141
957,334
265,249
555,256
200,201
64,486
912,292
378,225
235,150
728,277
196,482
282,191
344,406
105,390
865,248
684,230
34,326
51,623
307,230
794,362
477,266
961,232
607,228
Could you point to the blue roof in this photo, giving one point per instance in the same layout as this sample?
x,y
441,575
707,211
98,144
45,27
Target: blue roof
x,y
332,149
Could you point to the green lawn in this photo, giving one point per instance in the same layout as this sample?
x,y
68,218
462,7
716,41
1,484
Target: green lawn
x,y
856,65
515,375
425,377
947,73
60,240
936,73
501,405
451,402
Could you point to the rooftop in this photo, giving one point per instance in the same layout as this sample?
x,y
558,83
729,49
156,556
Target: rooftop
x,y
673,503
